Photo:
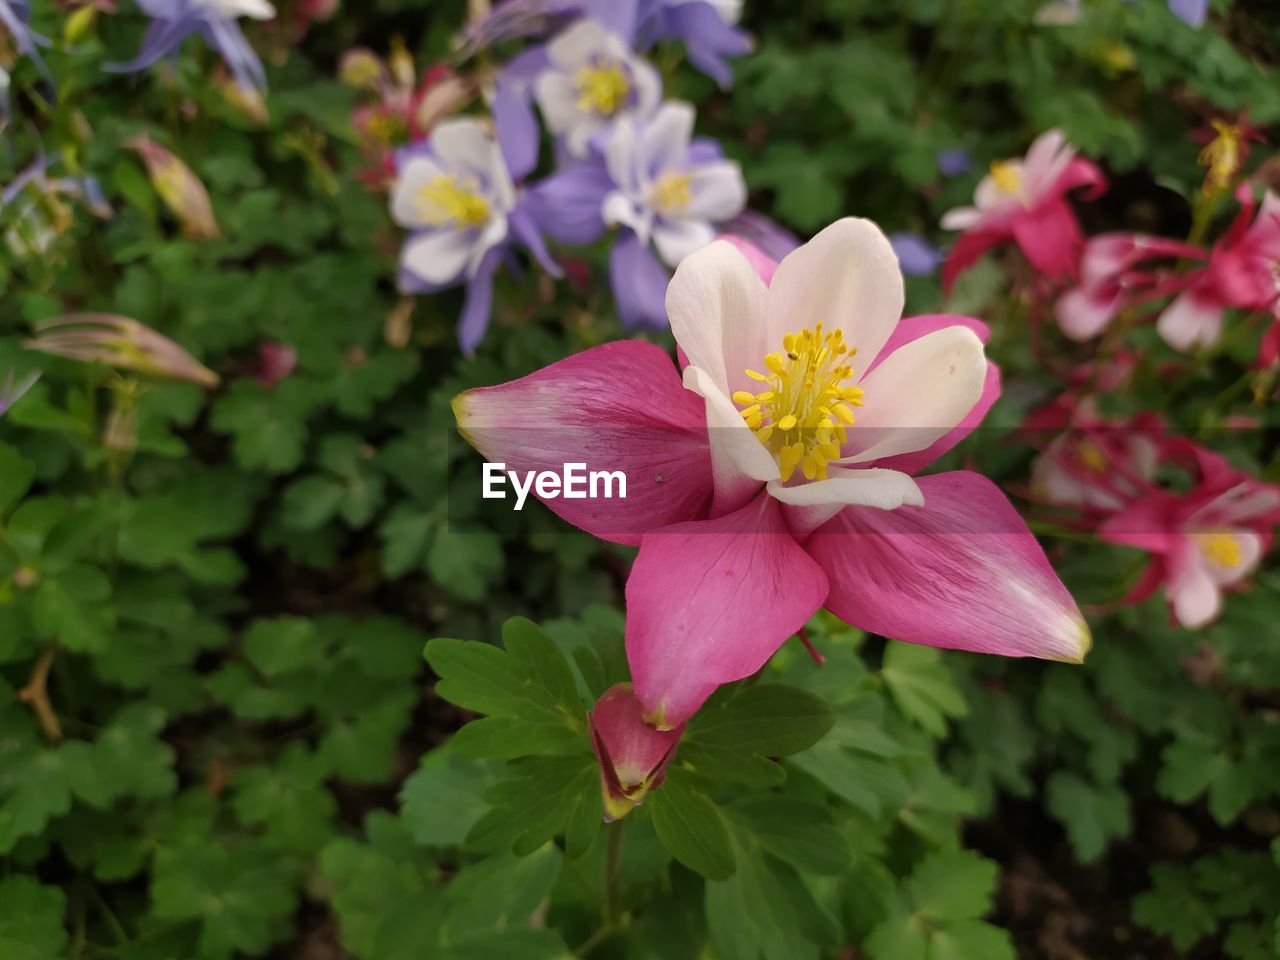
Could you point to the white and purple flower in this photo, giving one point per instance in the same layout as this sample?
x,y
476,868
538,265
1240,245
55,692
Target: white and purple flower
x,y
173,21
662,188
14,15
456,195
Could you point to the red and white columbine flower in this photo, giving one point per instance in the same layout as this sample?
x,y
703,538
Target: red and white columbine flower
x,y
1202,542
1025,200
776,475
1241,273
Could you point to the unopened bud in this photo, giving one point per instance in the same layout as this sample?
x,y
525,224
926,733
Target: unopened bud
x,y
179,189
632,754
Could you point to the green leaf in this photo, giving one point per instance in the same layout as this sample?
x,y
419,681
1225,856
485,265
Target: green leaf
x,y
691,828
16,475
1092,815
31,926
444,797
1174,907
922,686
799,831
953,886
770,719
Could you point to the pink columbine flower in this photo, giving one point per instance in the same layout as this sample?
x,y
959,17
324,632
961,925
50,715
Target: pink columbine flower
x,y
1025,201
1110,280
1241,273
632,755
1201,542
775,475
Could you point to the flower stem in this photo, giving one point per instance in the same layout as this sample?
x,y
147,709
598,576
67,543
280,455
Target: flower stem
x,y
36,695
612,862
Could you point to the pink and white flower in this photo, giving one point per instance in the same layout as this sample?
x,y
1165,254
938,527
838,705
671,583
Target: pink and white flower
x,y
775,475
1025,200
1203,542
1241,273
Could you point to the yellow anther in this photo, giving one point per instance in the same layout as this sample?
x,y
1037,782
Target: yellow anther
x,y
802,417
449,200
673,193
1222,549
602,88
1092,457
1007,175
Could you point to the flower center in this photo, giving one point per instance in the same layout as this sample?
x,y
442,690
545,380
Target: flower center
x,y
672,193
1221,549
602,88
802,412
1092,457
1008,177
450,200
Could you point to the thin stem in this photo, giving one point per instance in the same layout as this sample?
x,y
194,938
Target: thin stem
x,y
36,694
593,941
612,862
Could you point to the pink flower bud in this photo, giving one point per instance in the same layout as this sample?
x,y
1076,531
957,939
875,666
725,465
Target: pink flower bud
x,y
179,188
121,343
275,362
633,755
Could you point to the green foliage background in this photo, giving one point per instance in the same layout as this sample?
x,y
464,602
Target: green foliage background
x,y
255,758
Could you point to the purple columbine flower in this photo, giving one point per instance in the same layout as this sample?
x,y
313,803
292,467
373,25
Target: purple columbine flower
x,y
456,196
707,28
916,255
36,223
14,15
1192,12
585,81
172,21
11,393
664,190
954,162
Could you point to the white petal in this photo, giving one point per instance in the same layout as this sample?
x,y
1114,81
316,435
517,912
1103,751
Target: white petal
x,y
676,239
918,394
441,256
558,100
622,157
1047,158
961,218
716,303
1083,313
717,192
495,231
738,459
579,44
664,144
847,276
990,195
1189,321
1195,596
647,86
464,146
812,504
619,209
416,174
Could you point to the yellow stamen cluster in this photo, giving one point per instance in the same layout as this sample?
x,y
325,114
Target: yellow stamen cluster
x,y
672,193
1223,156
602,88
802,414
1222,549
449,200
1092,457
1008,177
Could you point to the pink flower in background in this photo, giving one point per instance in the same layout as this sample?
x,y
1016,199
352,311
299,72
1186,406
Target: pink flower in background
x,y
1111,281
632,755
1025,201
1240,273
1202,542
276,361
405,110
776,474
